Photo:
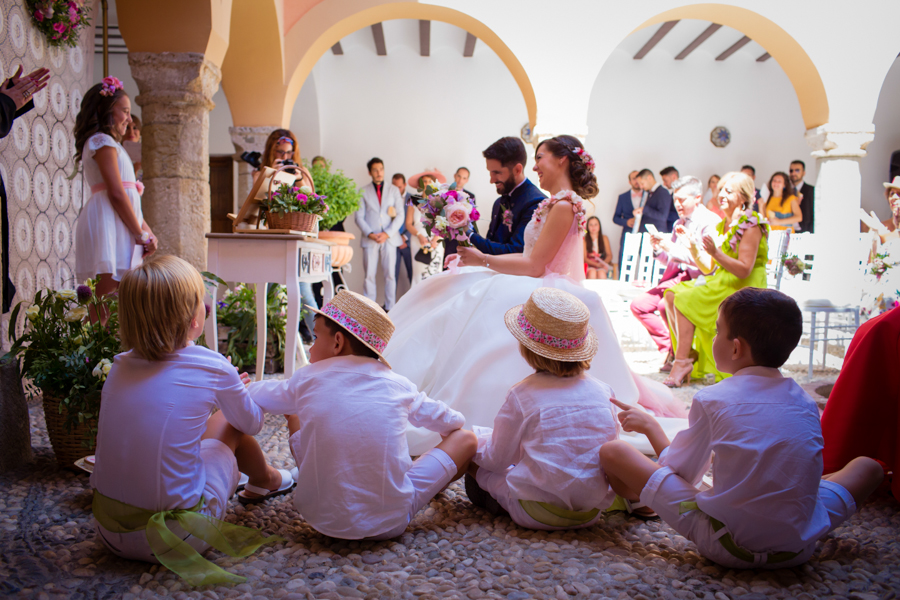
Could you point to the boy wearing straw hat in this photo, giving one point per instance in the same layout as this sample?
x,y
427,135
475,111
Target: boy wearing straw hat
x,y
348,415
552,424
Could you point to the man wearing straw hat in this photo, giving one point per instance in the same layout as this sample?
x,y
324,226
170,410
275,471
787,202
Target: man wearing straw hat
x,y
347,414
550,425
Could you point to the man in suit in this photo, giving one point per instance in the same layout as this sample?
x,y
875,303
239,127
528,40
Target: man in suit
x,y
628,201
404,252
505,160
659,202
460,179
669,175
806,196
672,251
381,214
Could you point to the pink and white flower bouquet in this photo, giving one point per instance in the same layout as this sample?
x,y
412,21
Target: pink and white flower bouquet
x,y
447,213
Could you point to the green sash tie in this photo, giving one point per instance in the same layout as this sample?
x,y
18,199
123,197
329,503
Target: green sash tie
x,y
555,516
173,552
728,542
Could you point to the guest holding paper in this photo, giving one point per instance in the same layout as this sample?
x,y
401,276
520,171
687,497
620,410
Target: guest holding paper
x,y
111,233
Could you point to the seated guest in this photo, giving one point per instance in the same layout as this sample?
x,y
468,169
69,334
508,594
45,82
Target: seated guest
x,y
158,448
782,207
348,415
625,205
596,251
539,463
694,222
711,197
862,416
769,503
659,202
740,250
750,172
669,175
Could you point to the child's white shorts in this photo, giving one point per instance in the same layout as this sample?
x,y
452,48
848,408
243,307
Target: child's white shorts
x,y
429,474
495,484
665,491
221,482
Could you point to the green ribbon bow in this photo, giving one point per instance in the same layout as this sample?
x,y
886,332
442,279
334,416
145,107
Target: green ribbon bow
x,y
556,516
173,552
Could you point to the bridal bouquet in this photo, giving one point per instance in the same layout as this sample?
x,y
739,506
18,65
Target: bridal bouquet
x,y
447,213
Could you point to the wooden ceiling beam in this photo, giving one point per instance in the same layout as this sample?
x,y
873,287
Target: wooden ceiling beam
x,y
378,36
469,49
734,48
424,37
714,27
659,35
337,50
764,57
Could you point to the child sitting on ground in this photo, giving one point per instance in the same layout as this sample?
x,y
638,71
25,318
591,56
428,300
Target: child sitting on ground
x,y
769,504
159,452
348,418
540,461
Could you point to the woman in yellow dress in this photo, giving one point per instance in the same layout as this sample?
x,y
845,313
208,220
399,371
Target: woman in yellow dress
x,y
736,260
782,207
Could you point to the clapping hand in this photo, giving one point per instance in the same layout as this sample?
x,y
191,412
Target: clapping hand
x,y
21,89
709,245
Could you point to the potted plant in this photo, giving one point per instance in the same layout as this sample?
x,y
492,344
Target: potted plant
x,y
236,319
341,191
67,356
294,208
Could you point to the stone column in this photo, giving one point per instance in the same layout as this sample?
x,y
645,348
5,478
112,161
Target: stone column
x,y
176,90
838,195
247,139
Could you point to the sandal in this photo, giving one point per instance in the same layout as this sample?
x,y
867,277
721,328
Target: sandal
x,y
667,366
287,484
633,509
681,372
242,482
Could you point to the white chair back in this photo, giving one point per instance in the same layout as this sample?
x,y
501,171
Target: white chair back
x,y
631,252
802,245
779,241
647,264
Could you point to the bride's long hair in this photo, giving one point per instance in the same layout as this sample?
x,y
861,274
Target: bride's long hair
x,y
584,183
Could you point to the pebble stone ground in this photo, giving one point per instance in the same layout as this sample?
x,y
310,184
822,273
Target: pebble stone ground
x,y
450,550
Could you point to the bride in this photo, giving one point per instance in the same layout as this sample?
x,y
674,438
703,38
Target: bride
x,y
451,340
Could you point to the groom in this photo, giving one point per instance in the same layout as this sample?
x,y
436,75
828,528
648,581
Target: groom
x,y
519,197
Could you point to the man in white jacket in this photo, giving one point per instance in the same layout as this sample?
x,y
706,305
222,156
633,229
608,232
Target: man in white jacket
x,y
380,216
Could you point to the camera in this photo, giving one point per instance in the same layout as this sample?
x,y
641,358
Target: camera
x,y
290,163
254,159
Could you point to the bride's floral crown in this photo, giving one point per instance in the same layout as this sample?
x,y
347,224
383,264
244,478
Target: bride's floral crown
x,y
586,159
109,85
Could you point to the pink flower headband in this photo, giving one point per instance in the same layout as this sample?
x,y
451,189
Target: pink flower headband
x,y
586,159
110,85
355,327
533,333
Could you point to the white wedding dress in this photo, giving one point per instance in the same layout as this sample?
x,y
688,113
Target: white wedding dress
x,y
452,343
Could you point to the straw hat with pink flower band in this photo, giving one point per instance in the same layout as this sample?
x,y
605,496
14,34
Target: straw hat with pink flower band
x,y
362,318
554,324
433,172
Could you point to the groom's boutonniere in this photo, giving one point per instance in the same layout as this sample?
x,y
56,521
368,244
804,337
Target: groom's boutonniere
x,y
507,216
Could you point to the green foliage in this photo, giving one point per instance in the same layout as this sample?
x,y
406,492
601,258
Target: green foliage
x,y
237,312
342,192
63,353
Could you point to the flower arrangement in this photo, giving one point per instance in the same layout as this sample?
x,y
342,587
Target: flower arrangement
x,y
543,209
61,21
793,264
341,191
507,217
291,199
237,313
880,265
447,213
109,86
64,353
746,221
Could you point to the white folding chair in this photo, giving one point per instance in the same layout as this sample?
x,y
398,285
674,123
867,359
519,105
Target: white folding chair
x,y
647,263
630,258
779,240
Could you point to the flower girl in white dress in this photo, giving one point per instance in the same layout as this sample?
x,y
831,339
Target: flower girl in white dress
x,y
111,222
451,340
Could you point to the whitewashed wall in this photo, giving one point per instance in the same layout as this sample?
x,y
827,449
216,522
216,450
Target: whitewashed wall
x,y
658,111
875,167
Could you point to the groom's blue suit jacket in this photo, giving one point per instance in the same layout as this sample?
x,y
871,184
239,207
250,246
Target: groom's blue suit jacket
x,y
501,239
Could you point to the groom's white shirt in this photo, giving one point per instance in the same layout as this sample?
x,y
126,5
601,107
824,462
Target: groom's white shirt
x,y
373,217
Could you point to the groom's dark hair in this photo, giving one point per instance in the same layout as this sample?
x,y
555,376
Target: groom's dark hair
x,y
510,151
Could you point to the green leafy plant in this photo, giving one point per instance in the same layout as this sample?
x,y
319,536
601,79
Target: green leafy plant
x,y
342,193
61,21
237,312
64,353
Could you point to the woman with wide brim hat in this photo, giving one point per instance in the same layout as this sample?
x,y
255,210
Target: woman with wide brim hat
x,y
434,172
552,424
421,246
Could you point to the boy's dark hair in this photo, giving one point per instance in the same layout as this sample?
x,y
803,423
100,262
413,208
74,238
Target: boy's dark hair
x,y
510,151
668,171
373,161
749,168
768,320
356,346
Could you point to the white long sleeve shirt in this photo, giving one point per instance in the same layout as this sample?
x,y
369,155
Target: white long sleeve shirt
x,y
551,428
767,438
351,448
152,415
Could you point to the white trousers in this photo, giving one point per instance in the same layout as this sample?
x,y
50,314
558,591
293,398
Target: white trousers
x,y
385,255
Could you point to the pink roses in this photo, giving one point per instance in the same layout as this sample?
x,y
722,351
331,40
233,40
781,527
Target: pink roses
x,y
459,215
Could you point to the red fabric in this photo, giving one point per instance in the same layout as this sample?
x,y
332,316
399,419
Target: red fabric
x,y
862,415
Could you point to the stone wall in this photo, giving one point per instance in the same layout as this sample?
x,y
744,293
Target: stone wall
x,y
37,156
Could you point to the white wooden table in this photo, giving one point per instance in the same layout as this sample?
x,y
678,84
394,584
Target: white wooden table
x,y
267,258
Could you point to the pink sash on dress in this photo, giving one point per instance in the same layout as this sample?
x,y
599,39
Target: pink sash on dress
x,y
135,185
